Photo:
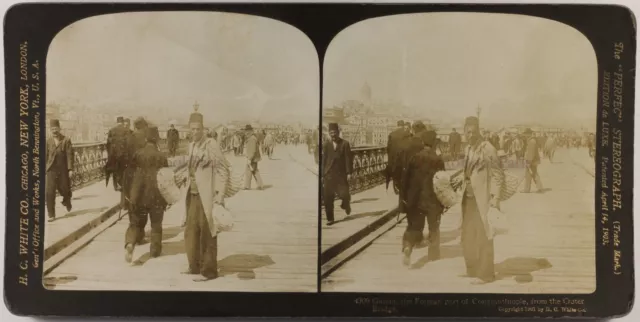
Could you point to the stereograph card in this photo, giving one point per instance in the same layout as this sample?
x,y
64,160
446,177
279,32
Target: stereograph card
x,y
319,160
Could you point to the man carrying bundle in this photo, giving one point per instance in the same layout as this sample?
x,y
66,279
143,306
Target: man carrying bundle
x,y
145,197
394,144
421,199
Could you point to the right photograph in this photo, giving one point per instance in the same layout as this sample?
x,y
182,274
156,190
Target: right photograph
x,y
458,156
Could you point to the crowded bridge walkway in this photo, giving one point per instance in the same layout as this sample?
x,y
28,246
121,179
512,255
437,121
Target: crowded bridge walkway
x,y
271,248
545,245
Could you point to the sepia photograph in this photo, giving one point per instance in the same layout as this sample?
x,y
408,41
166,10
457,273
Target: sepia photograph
x,y
458,156
182,154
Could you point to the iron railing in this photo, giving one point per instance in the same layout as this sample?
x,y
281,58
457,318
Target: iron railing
x,y
91,158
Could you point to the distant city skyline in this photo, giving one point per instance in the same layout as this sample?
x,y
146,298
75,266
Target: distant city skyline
x,y
518,69
157,64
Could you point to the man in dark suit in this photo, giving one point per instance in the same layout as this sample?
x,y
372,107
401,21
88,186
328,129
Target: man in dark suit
x,y
252,153
337,165
532,160
421,199
455,141
134,143
59,169
116,142
408,148
145,196
394,143
127,125
173,137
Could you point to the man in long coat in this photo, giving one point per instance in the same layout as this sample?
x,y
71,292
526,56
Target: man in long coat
x,y
394,143
455,141
145,198
269,142
59,169
116,150
173,137
483,179
409,146
134,143
252,153
421,199
209,173
532,160
337,165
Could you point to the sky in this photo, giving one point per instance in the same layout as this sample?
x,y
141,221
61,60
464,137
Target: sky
x,y
518,69
159,64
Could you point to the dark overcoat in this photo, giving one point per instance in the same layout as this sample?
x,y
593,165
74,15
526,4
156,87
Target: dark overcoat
x,y
144,193
337,163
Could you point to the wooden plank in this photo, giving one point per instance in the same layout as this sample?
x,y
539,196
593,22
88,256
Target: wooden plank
x,y
549,246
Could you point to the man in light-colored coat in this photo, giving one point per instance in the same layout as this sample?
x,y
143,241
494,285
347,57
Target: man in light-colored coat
x,y
209,174
252,153
482,188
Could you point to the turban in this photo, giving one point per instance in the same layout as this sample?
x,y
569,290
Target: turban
x,y
333,127
54,123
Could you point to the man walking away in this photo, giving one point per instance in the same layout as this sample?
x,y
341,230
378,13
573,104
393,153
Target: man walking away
x,y
421,199
252,153
394,167
59,169
337,165
146,199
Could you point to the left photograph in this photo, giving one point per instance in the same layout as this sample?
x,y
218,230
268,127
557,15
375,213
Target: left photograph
x,y
182,155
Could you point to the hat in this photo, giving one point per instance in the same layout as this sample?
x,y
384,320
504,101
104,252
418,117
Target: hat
x,y
248,127
333,127
401,123
471,120
140,123
527,131
196,118
152,134
120,119
418,126
54,123
127,120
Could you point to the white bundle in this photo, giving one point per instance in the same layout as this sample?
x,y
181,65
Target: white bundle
x,y
223,218
168,185
444,190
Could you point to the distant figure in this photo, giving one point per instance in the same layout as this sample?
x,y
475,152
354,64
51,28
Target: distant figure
x,y
550,148
455,142
173,138
337,165
59,169
116,152
532,160
421,199
252,153
146,200
269,142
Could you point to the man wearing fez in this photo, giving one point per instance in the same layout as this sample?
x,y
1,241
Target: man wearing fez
x,y
116,161
173,138
209,173
59,169
483,178
252,153
337,165
145,197
532,160
421,199
394,168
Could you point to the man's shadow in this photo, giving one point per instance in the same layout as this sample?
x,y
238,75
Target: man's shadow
x,y
244,265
